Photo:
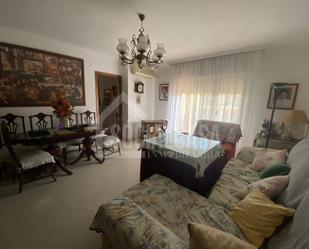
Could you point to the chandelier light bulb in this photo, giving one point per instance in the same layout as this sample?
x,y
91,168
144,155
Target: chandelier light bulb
x,y
122,47
160,50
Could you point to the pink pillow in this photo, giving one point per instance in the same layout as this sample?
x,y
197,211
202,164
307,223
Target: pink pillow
x,y
264,159
271,186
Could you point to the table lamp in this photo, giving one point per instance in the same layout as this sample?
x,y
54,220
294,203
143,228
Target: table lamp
x,y
296,117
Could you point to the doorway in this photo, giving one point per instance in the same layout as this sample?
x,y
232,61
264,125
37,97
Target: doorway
x,y
109,104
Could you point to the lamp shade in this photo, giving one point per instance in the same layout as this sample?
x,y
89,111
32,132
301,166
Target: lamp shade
x,y
296,117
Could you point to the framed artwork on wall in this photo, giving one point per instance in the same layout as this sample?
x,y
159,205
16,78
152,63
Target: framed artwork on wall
x,y
107,96
286,96
33,77
163,92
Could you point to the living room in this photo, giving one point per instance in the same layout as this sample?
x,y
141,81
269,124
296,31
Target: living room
x,y
210,63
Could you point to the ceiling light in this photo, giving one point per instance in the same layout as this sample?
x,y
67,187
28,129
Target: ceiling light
x,y
141,52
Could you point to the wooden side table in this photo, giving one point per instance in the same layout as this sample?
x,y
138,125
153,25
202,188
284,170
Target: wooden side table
x,y
275,143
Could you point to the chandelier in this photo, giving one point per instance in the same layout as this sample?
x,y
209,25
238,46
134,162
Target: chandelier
x,y
140,49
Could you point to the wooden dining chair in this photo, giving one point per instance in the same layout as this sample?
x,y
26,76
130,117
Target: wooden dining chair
x,y
40,120
73,145
27,160
15,124
88,118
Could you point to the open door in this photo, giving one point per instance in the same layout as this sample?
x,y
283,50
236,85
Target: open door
x,y
109,104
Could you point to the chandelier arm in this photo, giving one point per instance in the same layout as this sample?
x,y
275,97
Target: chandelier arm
x,y
153,62
133,41
127,60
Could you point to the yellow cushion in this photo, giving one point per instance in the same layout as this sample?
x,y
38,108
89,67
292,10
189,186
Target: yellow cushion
x,y
206,237
258,216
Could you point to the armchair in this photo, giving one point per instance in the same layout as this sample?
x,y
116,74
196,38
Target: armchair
x,y
228,133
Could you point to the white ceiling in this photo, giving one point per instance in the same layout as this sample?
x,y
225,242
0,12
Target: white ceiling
x,y
189,29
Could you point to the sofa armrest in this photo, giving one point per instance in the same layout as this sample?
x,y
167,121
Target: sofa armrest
x,y
126,225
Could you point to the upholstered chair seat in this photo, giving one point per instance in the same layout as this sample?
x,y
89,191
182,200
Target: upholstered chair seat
x,y
108,141
5,156
34,158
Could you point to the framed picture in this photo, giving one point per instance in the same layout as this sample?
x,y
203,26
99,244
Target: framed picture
x,y
107,96
33,77
163,92
286,96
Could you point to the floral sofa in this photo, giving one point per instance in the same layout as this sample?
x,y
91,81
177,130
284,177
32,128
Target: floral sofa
x,y
155,213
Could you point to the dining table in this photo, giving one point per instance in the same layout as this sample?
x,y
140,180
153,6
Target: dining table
x,y
52,138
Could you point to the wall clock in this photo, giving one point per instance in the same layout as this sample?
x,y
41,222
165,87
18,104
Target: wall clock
x,y
139,87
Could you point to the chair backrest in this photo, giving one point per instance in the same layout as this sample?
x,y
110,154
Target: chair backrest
x,y
7,142
73,119
88,117
14,123
40,121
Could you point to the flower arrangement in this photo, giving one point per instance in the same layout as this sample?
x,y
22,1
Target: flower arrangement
x,y
62,106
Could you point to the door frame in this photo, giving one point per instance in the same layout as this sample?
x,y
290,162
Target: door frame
x,y
97,93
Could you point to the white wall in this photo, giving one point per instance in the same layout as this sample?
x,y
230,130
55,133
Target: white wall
x,y
285,65
279,64
93,61
142,111
161,107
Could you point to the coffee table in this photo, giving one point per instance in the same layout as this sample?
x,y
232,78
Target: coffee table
x,y
194,162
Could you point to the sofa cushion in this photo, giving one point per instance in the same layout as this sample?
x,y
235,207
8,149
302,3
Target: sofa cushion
x,y
258,216
299,175
235,176
295,233
276,170
206,237
175,206
271,186
247,154
264,159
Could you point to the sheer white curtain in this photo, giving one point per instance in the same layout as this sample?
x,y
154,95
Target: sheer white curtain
x,y
221,89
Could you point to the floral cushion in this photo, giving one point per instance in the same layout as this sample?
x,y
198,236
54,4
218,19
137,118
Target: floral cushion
x,y
271,186
206,237
264,159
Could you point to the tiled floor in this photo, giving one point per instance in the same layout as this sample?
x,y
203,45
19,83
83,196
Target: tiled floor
x,y
56,215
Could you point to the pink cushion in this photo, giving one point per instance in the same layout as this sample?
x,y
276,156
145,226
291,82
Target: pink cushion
x,y
265,158
271,186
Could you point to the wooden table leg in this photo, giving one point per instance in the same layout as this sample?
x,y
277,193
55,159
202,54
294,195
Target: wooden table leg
x,y
54,150
87,151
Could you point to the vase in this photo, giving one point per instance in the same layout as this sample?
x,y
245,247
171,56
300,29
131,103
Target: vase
x,y
63,123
